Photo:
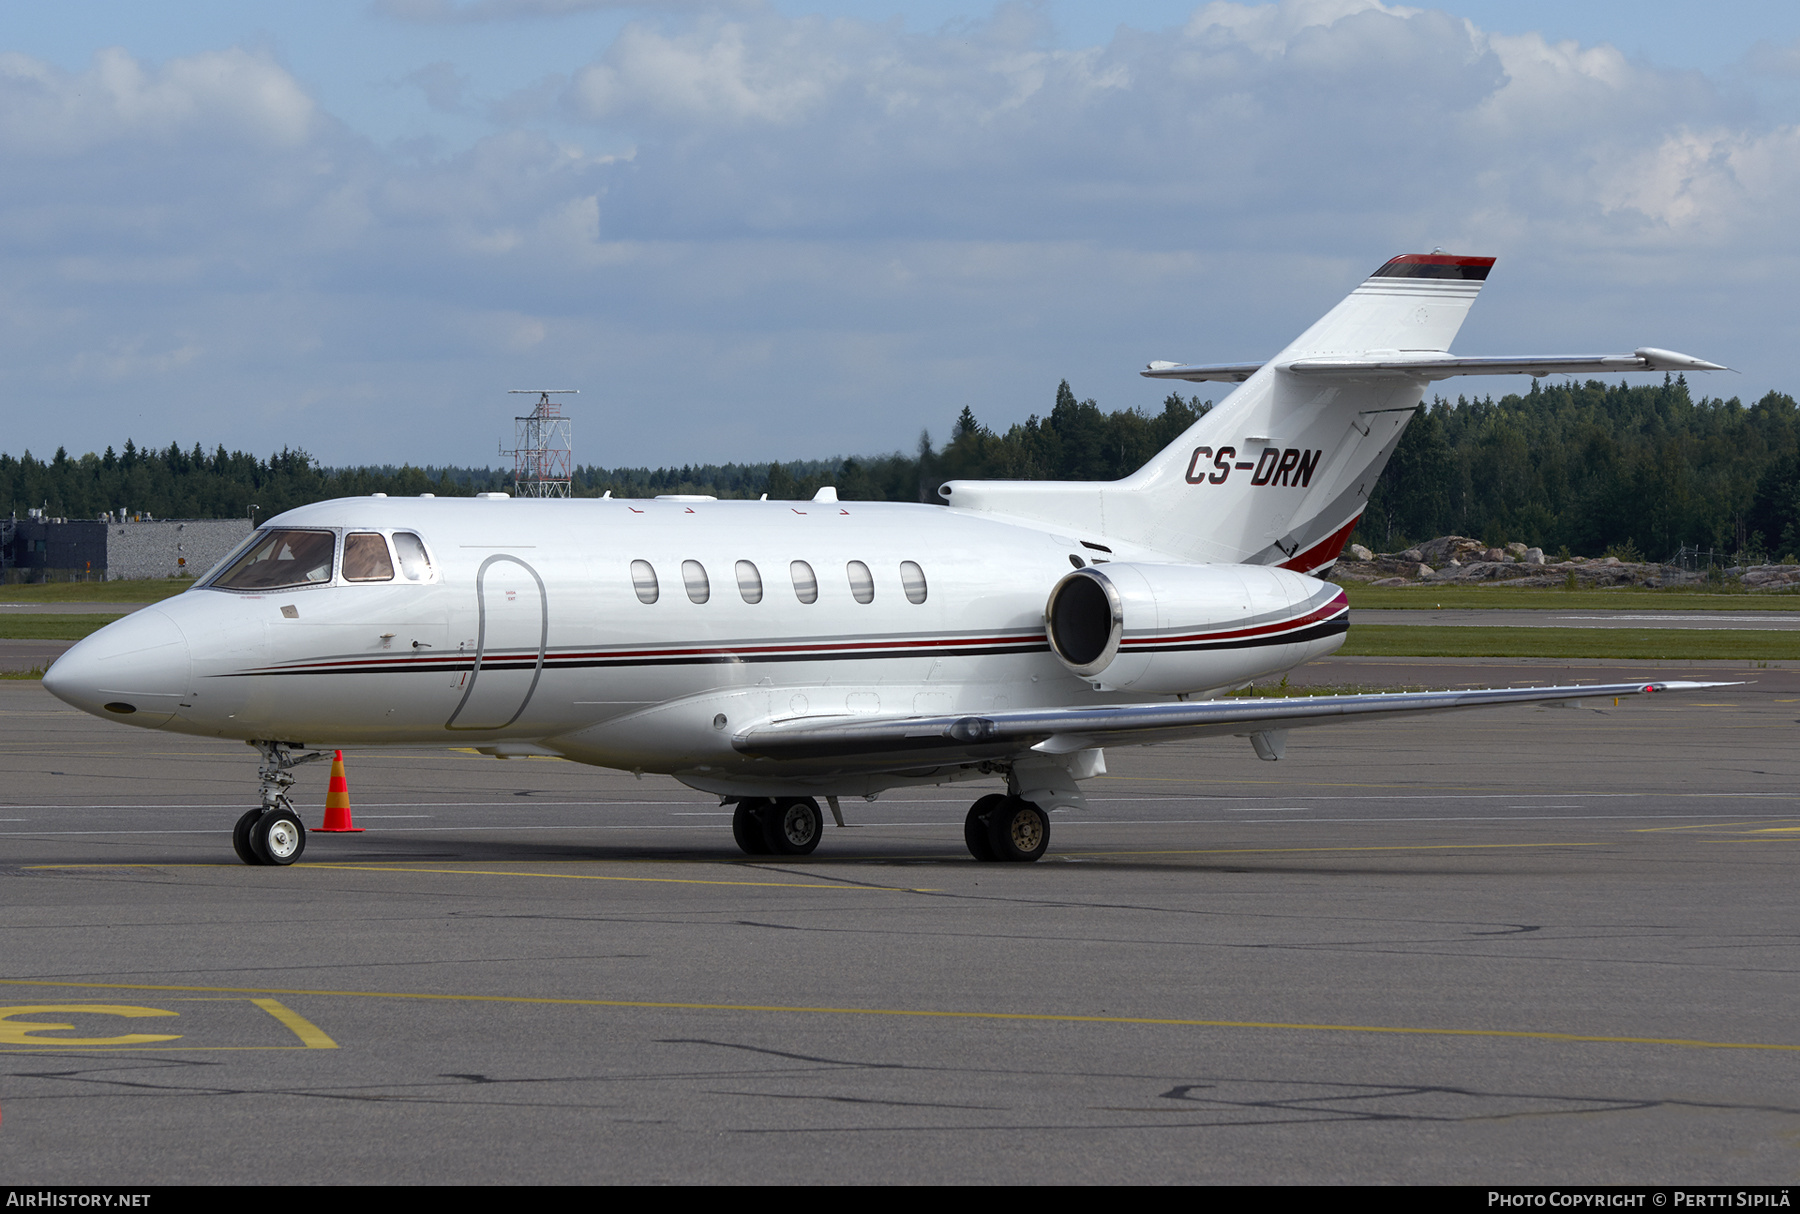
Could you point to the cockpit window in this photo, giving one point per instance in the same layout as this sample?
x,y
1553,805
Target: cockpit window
x,y
415,562
366,558
282,558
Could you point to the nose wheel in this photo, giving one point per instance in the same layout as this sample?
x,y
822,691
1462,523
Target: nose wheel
x,y
273,834
1001,828
273,837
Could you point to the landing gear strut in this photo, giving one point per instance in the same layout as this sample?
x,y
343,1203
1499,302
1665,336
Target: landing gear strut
x,y
1006,828
272,833
785,826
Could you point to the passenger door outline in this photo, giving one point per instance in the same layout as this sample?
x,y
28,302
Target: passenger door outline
x,y
481,642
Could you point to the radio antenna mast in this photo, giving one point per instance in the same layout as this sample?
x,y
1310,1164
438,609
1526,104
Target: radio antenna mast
x,y
544,460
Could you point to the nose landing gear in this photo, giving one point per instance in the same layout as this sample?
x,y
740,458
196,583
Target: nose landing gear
x,y
272,833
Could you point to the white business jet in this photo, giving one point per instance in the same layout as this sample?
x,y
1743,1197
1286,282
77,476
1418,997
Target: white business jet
x,y
774,653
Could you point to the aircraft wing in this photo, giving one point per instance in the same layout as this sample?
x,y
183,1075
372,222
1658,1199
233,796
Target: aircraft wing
x,y
883,741
1431,365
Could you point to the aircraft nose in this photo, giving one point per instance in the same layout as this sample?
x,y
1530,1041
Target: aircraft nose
x,y
136,670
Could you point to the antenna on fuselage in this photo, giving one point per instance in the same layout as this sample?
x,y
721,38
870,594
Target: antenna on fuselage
x,y
544,460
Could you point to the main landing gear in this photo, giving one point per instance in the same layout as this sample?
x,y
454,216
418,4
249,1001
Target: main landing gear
x,y
273,833
1006,828
784,826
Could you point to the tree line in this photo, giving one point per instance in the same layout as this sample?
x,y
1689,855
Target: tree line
x,y
1586,467
1076,441
1592,467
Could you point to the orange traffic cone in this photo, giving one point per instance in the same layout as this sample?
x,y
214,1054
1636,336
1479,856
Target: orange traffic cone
x,y
337,800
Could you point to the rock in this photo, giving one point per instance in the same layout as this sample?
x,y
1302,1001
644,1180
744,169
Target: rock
x,y
1391,581
1517,550
1358,552
1412,554
1532,556
1494,554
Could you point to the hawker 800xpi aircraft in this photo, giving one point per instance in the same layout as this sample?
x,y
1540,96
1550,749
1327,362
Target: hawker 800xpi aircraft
x,y
774,653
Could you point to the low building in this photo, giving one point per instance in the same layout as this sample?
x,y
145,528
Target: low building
x,y
53,549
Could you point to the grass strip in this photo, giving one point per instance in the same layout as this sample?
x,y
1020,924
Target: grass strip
x,y
1678,644
28,627
1618,598
145,590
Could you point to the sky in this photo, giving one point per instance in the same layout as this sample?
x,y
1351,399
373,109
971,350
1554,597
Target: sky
x,y
781,229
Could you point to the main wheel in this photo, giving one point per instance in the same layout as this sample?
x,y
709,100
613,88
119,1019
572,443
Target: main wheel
x,y
277,837
240,838
747,827
793,826
1019,831
975,826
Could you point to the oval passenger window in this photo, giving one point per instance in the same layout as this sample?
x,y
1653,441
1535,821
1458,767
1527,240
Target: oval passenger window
x,y
749,582
862,582
912,580
693,575
806,585
643,580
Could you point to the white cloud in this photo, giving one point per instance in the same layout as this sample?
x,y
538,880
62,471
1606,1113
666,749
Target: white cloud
x,y
829,233
448,11
231,94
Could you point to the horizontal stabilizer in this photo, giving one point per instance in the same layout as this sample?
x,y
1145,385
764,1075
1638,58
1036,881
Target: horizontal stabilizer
x,y
1228,373
1431,365
884,741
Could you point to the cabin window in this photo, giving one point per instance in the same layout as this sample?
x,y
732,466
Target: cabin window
x,y
749,582
366,558
693,576
806,584
415,562
912,580
280,559
862,582
643,580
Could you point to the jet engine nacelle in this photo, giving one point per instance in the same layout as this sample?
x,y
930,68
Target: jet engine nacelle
x,y
1179,629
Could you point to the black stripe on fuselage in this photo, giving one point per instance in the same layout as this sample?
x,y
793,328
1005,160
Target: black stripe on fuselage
x,y
1317,632
1328,628
700,659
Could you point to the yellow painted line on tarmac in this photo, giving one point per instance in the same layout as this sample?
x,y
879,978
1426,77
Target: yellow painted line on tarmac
x,y
19,1036
935,1014
310,1034
1251,851
483,872
1651,830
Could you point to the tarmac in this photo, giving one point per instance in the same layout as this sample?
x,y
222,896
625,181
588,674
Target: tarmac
x,y
1516,946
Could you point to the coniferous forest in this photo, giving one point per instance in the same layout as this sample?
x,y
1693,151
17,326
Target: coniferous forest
x,y
1585,467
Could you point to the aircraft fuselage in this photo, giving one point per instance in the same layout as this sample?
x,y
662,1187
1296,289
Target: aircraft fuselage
x,y
531,633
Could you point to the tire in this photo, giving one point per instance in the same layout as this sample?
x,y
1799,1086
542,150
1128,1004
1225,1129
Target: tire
x,y
240,838
278,838
792,826
747,828
975,826
1019,832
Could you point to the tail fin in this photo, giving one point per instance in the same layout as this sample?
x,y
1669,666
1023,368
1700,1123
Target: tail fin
x,y
1278,473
